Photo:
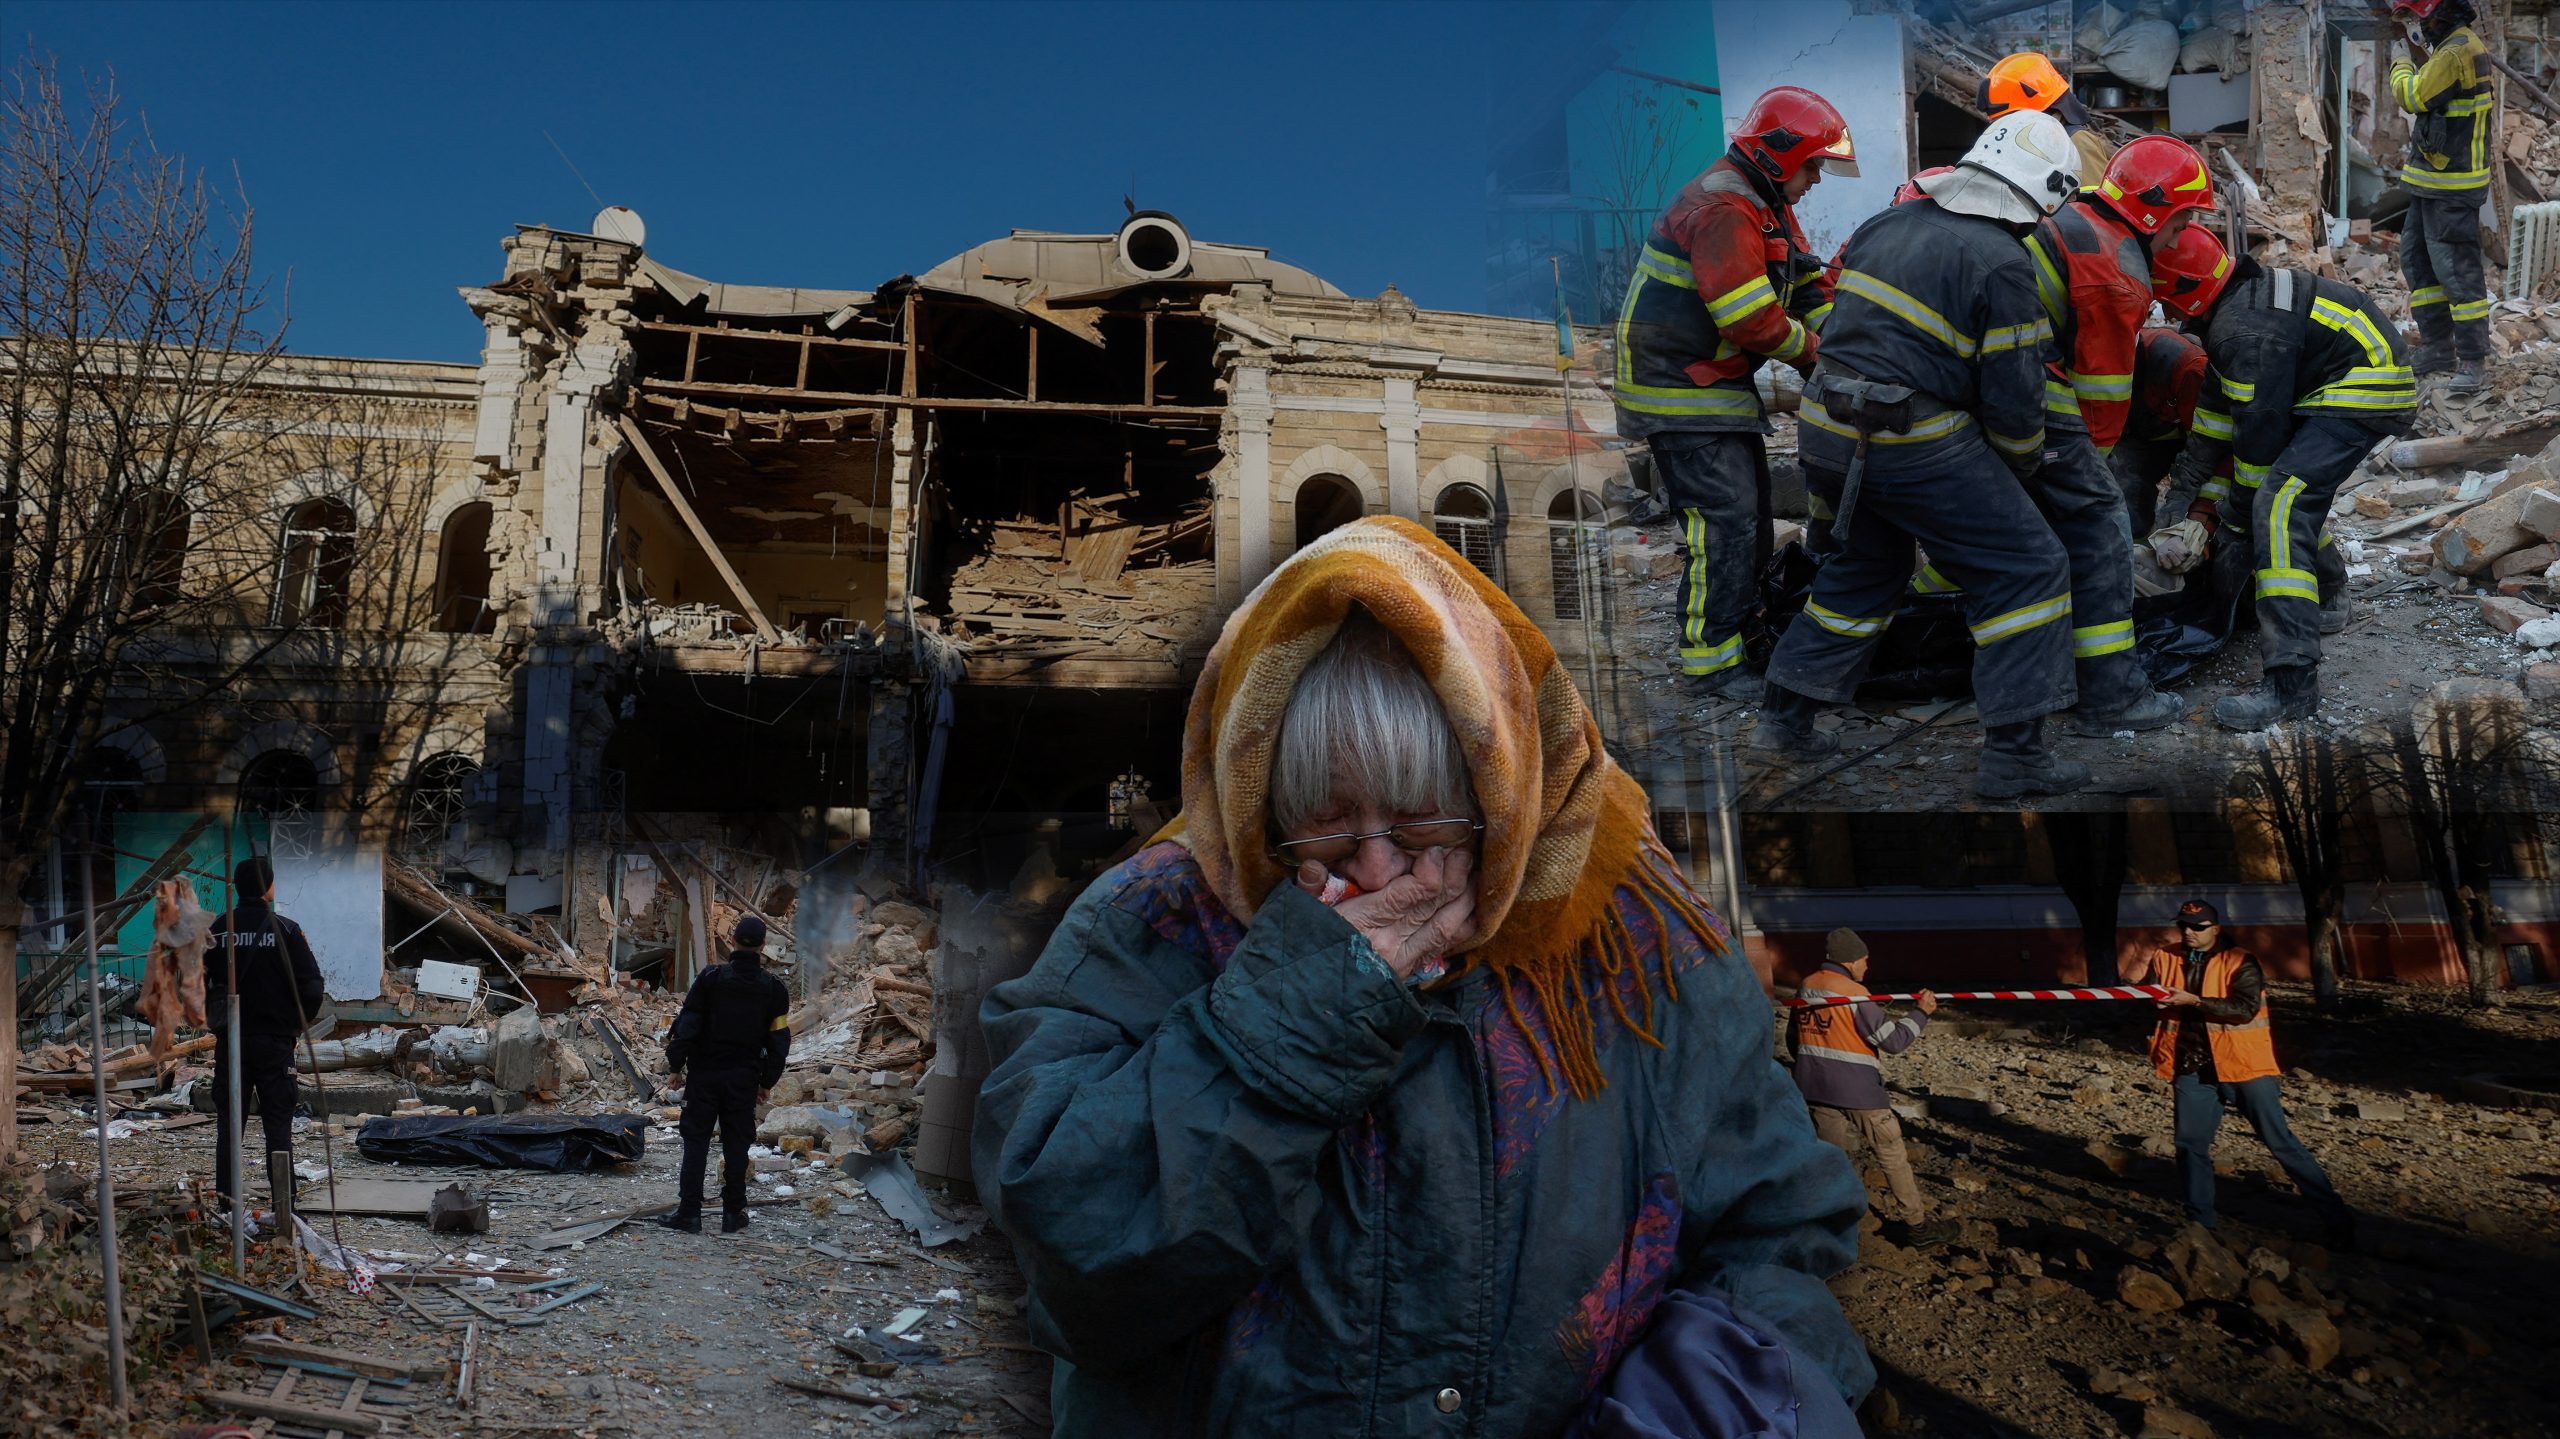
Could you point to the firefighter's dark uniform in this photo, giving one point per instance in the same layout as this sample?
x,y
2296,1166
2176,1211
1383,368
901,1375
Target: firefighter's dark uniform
x,y
730,1040
2094,280
1724,283
280,993
2168,374
2306,375
2447,176
1944,304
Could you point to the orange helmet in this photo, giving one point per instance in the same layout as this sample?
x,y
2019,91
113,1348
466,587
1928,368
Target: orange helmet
x,y
2153,178
2188,273
2024,81
1791,127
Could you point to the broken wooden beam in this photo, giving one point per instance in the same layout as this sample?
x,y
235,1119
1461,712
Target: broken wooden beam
x,y
701,534
2501,443
725,332
310,1416
1204,413
381,1366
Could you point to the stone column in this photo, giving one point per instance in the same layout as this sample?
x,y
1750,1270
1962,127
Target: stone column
x,y
1401,418
902,527
1249,411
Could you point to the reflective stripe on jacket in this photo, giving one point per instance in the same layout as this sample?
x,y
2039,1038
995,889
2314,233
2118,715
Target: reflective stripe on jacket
x,y
1722,284
2452,100
2242,1051
1837,1047
2281,343
2095,283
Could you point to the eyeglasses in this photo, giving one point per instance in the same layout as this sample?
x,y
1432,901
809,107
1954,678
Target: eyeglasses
x,y
2195,924
1415,835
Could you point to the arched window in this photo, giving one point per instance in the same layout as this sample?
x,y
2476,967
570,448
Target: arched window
x,y
156,530
316,564
1574,554
439,793
462,573
283,788
1462,517
1325,503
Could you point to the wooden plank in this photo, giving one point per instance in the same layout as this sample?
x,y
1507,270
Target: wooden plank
x,y
1031,390
725,332
395,1198
701,534
291,1413
1203,413
382,1366
1147,392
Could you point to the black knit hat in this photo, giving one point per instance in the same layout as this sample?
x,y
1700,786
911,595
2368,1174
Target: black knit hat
x,y
252,878
2198,910
749,934
1844,947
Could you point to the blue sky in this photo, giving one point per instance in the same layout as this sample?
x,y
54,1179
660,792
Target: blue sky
x,y
387,148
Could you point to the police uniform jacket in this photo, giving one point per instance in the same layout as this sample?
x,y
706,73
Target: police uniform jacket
x,y
736,1016
1946,304
280,986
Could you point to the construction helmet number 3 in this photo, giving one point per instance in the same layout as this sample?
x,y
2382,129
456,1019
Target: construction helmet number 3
x,y
1791,127
2152,179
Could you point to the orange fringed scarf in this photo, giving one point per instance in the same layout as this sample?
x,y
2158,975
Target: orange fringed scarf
x,y
1565,829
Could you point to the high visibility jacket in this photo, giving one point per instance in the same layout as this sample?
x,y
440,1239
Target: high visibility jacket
x,y
1946,304
2095,281
2281,344
1837,1047
1724,282
2450,96
2241,1051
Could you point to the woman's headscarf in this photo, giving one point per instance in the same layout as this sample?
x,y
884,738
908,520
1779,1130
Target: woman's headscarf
x,y
1565,828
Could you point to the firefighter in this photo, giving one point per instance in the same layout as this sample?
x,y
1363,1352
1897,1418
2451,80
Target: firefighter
x,y
2029,81
1724,284
2447,176
2093,273
2305,377
1923,418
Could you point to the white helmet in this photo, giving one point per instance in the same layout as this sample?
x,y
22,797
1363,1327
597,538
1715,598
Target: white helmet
x,y
2021,170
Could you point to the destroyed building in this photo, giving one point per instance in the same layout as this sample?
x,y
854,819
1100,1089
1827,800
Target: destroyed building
x,y
692,596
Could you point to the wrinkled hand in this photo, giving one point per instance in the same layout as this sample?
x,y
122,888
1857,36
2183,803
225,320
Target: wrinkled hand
x,y
1926,1001
1422,915
2179,547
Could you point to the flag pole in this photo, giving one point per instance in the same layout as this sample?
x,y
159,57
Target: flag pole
x,y
1589,595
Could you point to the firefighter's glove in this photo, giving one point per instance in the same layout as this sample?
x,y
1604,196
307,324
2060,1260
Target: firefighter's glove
x,y
2179,547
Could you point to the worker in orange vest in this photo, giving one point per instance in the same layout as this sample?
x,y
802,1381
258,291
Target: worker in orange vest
x,y
1837,1049
2213,1045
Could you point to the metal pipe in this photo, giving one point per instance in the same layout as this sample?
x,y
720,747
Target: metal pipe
x,y
113,1277
235,1127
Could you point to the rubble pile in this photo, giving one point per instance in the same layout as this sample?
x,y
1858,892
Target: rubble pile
x,y
861,1045
2490,538
1093,577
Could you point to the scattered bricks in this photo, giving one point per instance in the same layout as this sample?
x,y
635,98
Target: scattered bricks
x,y
2530,561
2477,537
2519,586
2203,1267
2542,683
2507,614
2305,1332
2540,513
2381,1111
2145,1292
2417,492
797,1144
2159,1421
771,1164
2374,507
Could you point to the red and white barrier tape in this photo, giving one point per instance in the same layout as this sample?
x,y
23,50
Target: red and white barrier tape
x,y
2121,991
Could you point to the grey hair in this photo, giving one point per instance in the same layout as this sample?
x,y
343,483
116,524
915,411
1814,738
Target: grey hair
x,y
1364,722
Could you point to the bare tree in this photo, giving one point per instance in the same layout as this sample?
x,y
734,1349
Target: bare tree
x,y
2089,856
1649,129
2305,786
133,334
2465,765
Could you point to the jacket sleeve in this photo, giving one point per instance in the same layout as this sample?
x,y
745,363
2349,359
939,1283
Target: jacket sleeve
x,y
687,1028
2257,383
2421,88
1769,1210
1151,1136
2248,989
1728,256
2010,361
1888,1036
777,1035
308,987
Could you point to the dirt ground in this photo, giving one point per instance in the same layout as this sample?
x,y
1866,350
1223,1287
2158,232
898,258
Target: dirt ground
x,y
2406,634
690,1332
2442,1323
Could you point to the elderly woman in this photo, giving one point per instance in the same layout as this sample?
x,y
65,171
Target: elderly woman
x,y
1403,1086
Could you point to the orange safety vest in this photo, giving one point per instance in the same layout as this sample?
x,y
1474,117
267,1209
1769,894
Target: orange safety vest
x,y
1833,1028
2240,1051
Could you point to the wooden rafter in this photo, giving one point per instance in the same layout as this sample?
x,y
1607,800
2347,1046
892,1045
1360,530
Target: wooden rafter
x,y
701,534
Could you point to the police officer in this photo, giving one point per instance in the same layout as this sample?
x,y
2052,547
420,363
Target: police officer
x,y
1724,285
261,957
1922,419
2450,102
2305,377
733,1035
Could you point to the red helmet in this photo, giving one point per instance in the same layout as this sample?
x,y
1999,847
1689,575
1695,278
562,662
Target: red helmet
x,y
2188,273
1911,190
1790,127
2416,9
2153,178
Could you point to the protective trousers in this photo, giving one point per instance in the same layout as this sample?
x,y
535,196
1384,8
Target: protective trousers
x,y
2440,256
1846,1129
266,1080
2080,497
1980,528
1718,487
725,1098
2287,531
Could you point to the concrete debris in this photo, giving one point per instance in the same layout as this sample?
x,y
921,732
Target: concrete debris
x,y
2146,1292
2490,531
2203,1268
